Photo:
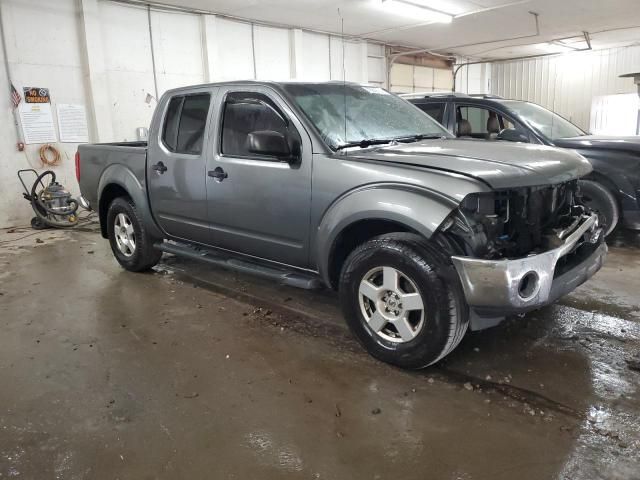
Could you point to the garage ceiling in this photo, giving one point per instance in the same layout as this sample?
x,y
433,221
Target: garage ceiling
x,y
480,28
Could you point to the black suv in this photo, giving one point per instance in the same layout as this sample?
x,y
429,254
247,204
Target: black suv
x,y
613,189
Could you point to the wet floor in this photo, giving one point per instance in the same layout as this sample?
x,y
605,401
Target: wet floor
x,y
191,372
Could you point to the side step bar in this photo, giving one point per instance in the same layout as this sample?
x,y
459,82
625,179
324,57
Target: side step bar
x,y
286,277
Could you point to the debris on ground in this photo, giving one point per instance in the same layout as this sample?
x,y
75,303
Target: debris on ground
x,y
468,386
633,365
376,411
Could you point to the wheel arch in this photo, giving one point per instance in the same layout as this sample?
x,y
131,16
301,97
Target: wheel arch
x,y
608,184
119,181
372,211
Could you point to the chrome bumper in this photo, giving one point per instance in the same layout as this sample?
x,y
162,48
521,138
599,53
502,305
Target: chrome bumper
x,y
500,287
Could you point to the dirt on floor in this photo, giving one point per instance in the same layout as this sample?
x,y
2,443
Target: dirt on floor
x,y
192,372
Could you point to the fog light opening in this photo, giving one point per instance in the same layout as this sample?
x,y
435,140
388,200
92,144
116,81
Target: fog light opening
x,y
528,286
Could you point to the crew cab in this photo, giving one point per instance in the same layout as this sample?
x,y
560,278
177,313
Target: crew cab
x,y
352,188
612,188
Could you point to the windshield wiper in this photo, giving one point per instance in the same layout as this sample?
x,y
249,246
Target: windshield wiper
x,y
416,138
367,142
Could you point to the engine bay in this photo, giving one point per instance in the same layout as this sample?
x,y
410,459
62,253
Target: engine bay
x,y
516,222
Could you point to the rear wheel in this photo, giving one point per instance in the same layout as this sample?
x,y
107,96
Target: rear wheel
x,y
600,199
130,243
402,299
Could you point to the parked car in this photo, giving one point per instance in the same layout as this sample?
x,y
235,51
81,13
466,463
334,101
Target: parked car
x,y
612,189
354,188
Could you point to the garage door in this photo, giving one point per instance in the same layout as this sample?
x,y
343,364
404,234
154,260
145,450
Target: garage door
x,y
415,78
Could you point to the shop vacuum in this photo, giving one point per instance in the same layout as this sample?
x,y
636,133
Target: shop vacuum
x,y
53,205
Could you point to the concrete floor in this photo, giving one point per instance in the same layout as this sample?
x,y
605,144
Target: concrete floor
x,y
189,372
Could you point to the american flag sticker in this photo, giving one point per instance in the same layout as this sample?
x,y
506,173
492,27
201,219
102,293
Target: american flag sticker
x,y
15,96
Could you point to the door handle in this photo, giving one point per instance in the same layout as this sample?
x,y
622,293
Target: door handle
x,y
159,167
218,174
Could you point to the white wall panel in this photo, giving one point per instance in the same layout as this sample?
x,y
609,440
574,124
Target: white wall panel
x,y
376,71
177,39
234,47
273,53
376,64
129,71
314,57
568,83
355,60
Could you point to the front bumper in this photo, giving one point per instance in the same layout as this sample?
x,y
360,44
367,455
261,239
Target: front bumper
x,y
507,286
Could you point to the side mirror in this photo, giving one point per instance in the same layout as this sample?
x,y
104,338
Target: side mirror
x,y
512,135
268,142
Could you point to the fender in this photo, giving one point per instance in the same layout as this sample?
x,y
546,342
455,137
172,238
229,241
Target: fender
x,y
121,175
620,172
416,208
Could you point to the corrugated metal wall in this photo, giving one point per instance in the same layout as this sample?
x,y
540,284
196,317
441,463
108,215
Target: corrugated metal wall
x,y
567,83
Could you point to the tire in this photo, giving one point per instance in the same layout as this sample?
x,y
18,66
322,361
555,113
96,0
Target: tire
x,y
433,332
137,253
600,199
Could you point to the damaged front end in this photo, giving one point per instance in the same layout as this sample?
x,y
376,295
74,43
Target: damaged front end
x,y
523,248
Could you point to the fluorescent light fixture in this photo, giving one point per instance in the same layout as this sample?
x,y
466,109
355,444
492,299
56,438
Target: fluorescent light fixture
x,y
415,10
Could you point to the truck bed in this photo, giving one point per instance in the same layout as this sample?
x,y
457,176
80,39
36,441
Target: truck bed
x,y
128,158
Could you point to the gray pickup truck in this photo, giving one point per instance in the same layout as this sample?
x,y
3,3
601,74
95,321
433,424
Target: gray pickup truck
x,y
356,189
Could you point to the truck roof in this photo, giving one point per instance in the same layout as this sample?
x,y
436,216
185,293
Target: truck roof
x,y
269,83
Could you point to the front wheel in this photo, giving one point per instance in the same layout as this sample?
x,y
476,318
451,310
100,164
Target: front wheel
x,y
402,299
130,243
598,198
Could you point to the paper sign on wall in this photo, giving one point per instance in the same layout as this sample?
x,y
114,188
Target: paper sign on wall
x,y
37,123
72,123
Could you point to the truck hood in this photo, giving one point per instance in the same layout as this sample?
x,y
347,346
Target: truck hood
x,y
499,164
587,142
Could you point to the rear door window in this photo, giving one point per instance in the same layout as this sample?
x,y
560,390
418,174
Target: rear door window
x,y
193,121
171,122
185,123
